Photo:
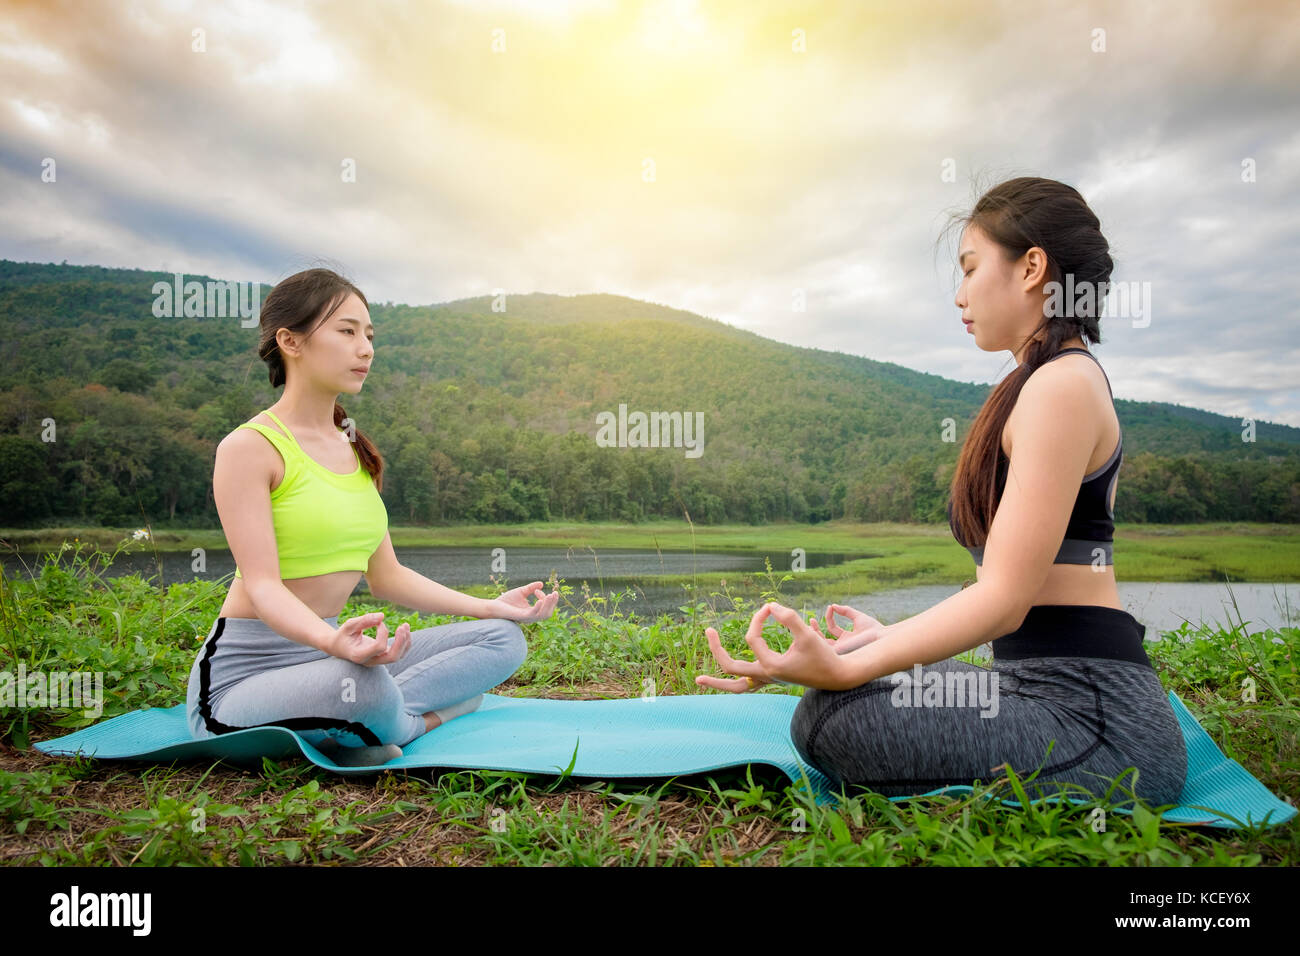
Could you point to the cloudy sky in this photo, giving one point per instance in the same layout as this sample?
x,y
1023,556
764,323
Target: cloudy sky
x,y
724,158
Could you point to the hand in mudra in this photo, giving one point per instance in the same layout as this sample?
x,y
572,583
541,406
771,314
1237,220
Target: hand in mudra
x,y
810,660
803,662
513,605
352,644
864,629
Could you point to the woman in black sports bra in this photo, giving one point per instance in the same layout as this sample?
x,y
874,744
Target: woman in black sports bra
x,y
1070,695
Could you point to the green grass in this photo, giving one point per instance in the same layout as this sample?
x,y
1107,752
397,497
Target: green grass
x,y
76,811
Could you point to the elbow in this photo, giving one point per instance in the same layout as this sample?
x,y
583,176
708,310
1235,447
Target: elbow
x,y
381,585
1015,618
1012,603
262,592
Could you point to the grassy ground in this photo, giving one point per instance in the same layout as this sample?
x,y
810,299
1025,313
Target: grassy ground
x,y
61,811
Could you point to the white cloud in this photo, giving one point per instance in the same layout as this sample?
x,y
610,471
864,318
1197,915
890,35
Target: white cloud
x,y
776,171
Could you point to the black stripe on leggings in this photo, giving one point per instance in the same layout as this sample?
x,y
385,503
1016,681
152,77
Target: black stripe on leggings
x,y
293,723
849,696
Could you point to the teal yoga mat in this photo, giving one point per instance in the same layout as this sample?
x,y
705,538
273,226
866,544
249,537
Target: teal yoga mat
x,y
633,737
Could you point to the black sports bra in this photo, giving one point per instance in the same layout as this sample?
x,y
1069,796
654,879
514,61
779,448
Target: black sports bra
x,y
1091,531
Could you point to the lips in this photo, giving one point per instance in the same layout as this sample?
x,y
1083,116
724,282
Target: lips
x,y
363,371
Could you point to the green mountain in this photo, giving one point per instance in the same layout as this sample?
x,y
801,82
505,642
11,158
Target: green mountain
x,y
487,414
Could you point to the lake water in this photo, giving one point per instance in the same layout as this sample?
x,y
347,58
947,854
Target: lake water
x,y
606,571
1160,606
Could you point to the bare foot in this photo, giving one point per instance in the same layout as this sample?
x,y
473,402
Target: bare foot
x,y
432,718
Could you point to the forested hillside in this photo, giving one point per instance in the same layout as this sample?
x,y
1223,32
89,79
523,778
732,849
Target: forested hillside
x,y
485,415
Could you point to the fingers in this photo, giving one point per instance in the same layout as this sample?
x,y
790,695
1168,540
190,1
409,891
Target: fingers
x,y
831,610
542,609
390,654
816,626
736,686
376,650
730,664
792,621
373,647
521,595
756,623
719,652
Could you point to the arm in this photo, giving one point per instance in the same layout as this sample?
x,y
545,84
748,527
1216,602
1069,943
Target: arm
x,y
389,580
971,617
241,487
1047,466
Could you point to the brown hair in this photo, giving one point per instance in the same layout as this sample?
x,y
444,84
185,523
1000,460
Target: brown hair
x,y
296,303
1017,215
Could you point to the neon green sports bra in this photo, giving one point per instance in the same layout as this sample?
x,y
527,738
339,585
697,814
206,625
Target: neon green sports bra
x,y
323,521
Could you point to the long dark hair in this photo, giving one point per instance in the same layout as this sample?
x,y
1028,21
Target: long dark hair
x,y
302,303
1017,215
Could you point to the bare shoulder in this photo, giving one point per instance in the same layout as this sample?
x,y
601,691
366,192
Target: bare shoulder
x,y
246,452
1071,390
1073,367
240,439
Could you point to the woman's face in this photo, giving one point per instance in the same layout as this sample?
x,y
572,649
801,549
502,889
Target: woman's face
x,y
339,345
1002,300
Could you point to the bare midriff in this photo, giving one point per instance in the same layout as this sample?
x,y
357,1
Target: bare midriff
x,y
1077,584
325,594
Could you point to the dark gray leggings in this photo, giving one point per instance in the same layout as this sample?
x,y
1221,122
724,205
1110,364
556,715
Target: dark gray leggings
x,y
1105,713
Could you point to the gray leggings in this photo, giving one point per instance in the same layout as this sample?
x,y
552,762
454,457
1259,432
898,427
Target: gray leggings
x,y
247,675
1075,675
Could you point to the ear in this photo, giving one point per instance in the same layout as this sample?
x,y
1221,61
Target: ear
x,y
287,341
1033,267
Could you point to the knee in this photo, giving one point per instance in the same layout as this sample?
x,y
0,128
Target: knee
x,y
1162,784
835,731
509,636
805,724
367,691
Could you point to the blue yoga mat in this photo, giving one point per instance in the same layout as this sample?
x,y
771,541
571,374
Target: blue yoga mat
x,y
632,737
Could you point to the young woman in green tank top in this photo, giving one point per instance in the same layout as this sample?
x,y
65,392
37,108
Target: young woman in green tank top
x,y
298,493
